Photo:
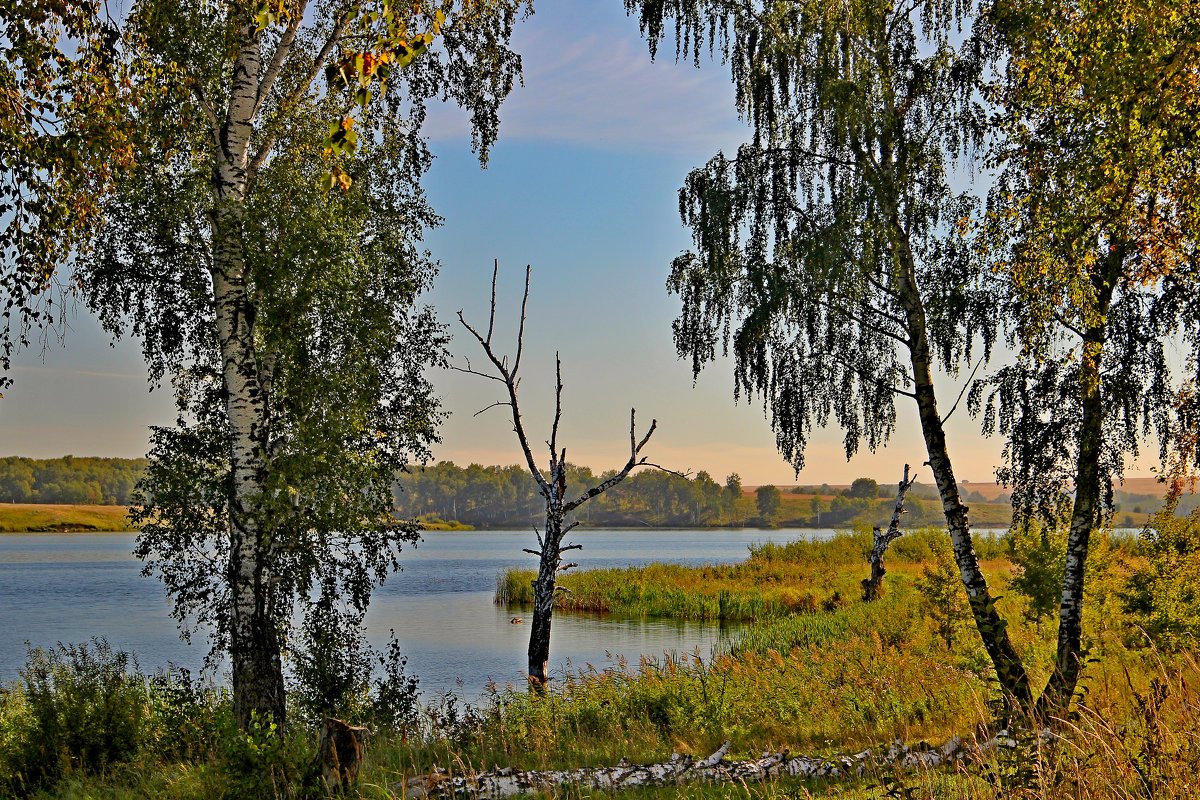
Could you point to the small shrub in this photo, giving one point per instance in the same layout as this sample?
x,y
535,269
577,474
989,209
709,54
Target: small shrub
x,y
1163,598
258,763
1038,550
186,716
942,594
83,708
394,703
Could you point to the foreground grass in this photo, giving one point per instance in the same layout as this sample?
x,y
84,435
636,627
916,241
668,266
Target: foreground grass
x,y
36,518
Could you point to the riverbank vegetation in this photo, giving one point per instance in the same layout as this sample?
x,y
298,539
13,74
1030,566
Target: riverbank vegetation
x,y
776,581
827,676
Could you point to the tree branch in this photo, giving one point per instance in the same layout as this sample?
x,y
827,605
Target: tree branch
x,y
509,377
214,125
635,447
282,51
301,87
966,385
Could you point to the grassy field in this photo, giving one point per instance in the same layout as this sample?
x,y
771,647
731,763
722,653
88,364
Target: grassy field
x,y
823,676
777,580
35,517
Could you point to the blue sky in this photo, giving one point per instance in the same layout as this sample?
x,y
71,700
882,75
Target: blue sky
x,y
582,186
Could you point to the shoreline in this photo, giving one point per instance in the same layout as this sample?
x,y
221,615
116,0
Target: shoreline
x,y
63,518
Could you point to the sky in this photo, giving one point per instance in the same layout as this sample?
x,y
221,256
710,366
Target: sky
x,y
582,186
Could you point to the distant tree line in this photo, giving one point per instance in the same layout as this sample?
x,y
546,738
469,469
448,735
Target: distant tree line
x,y
494,496
101,481
502,497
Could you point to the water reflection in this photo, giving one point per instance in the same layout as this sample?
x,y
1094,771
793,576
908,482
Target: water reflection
x,y
72,586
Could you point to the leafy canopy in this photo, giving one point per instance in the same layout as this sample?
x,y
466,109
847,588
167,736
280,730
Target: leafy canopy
x,y
803,238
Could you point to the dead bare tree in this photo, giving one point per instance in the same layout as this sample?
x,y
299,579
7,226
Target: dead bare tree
x,y
873,586
552,484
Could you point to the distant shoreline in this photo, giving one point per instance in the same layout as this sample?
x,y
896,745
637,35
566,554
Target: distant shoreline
x,y
63,518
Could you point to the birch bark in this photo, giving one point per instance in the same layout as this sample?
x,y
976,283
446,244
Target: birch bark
x,y
1010,671
1085,514
254,641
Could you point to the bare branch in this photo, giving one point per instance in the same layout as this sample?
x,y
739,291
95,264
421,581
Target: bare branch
x,y
644,463
958,400
508,376
635,447
558,387
488,408
521,329
492,315
565,548
470,371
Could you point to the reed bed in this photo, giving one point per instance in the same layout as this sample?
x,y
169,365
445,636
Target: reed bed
x,y
776,581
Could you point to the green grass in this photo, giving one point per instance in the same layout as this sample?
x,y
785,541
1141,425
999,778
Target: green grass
x,y
430,522
776,581
35,517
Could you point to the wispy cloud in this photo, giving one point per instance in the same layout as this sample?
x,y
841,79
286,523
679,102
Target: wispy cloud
x,y
591,82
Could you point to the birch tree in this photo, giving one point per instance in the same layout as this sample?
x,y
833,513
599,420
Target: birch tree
x,y
829,252
265,250
1096,219
559,498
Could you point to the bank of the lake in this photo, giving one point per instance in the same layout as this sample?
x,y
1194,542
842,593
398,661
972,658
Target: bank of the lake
x,y
835,678
56,518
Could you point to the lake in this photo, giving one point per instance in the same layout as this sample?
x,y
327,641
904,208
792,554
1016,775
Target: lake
x,y
69,587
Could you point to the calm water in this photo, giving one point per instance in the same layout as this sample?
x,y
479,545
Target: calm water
x,y
70,587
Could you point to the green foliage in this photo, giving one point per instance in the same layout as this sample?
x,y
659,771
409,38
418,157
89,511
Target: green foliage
x,y
942,595
834,228
1093,228
335,673
499,497
1162,598
66,134
1038,551
259,763
865,487
767,500
507,497
80,707
107,481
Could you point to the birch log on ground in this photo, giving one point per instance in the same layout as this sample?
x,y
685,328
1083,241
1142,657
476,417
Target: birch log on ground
x,y
873,586
507,782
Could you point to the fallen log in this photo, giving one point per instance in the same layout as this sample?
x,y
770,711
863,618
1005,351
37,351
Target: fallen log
x,y
508,782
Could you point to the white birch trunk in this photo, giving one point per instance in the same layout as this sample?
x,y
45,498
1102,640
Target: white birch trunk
x,y
254,644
